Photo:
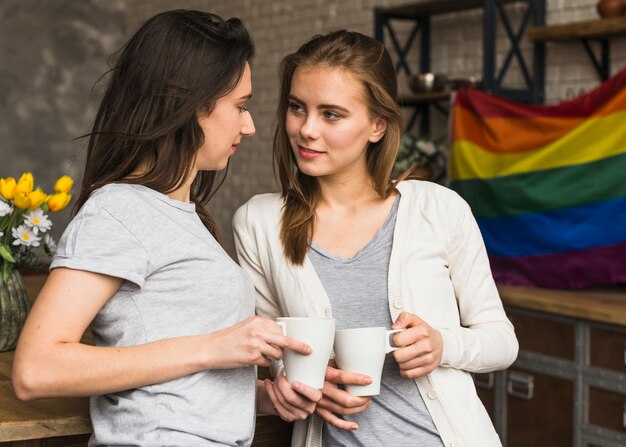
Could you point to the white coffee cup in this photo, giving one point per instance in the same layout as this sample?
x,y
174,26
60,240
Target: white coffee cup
x,y
363,351
318,333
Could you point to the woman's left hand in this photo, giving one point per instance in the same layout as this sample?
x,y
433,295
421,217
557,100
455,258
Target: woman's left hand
x,y
421,346
292,402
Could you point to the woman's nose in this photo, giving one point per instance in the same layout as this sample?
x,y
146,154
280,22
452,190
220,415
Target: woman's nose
x,y
247,128
309,128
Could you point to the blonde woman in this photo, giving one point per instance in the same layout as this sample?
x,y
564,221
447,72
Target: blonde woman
x,y
344,240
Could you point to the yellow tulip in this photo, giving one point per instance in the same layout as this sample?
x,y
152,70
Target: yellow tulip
x,y
64,184
21,200
59,201
37,197
7,185
24,185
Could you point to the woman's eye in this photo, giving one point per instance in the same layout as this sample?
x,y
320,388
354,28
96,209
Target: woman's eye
x,y
332,116
243,109
295,107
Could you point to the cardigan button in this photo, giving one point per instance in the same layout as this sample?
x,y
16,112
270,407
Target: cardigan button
x,y
432,394
397,304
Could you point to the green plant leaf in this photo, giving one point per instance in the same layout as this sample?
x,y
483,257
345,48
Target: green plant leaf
x,y
6,272
6,254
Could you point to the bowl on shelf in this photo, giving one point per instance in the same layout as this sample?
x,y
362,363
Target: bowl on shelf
x,y
427,82
459,83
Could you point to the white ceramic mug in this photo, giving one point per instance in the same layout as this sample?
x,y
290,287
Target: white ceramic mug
x,y
318,333
363,351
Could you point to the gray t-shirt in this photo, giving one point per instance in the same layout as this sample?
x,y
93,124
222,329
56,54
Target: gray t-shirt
x,y
357,289
178,281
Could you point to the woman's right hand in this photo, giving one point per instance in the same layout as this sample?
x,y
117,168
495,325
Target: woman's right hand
x,y
336,401
253,341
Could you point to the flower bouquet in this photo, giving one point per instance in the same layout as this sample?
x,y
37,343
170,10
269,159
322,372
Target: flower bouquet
x,y
23,224
24,221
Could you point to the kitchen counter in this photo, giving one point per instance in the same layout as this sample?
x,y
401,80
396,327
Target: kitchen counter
x,y
42,418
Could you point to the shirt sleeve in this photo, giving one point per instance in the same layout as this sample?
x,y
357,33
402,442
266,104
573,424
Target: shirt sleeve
x,y
248,255
486,340
247,248
96,241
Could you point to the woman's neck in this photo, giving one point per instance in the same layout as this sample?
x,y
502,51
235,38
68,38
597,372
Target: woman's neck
x,y
183,193
347,193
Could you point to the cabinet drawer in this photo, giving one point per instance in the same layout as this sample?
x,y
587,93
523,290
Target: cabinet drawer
x,y
544,335
607,348
540,410
485,388
607,409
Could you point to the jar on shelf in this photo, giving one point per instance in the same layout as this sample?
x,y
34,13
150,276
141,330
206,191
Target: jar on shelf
x,y
611,8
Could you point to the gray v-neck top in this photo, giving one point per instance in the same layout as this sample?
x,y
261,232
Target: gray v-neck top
x,y
357,289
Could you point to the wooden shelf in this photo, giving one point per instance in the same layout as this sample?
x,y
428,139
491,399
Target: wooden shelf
x,y
591,29
422,98
431,8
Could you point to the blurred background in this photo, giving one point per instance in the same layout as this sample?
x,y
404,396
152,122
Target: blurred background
x,y
53,52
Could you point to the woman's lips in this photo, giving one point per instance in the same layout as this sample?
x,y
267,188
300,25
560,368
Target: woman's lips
x,y
308,153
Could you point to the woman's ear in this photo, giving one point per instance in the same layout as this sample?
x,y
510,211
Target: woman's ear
x,y
379,130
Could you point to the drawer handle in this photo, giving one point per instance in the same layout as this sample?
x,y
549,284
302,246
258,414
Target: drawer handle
x,y
520,385
484,380
624,416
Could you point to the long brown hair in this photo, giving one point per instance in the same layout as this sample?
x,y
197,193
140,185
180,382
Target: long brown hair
x,y
369,62
173,68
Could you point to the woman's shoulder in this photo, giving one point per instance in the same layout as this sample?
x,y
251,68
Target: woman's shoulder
x,y
429,193
260,208
112,194
119,200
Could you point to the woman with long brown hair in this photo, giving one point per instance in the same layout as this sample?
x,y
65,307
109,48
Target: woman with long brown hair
x,y
345,240
172,316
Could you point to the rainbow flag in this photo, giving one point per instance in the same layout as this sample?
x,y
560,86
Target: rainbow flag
x,y
547,184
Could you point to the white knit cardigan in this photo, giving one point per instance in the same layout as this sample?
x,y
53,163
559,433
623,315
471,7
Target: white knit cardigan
x,y
438,270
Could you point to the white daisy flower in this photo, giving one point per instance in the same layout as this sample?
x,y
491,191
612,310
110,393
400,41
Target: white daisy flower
x,y
427,148
37,220
50,243
25,236
5,208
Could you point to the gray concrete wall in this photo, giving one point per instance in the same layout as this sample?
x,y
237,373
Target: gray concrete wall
x,y
51,53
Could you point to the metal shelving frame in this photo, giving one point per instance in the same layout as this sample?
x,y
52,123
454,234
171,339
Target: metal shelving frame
x,y
493,77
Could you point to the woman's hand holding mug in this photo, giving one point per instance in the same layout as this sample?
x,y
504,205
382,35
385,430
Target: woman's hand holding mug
x,y
336,401
292,402
421,346
253,341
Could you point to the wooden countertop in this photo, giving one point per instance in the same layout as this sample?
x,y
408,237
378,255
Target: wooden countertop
x,y
43,418
606,305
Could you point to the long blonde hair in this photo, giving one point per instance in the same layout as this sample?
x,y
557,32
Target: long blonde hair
x,y
369,62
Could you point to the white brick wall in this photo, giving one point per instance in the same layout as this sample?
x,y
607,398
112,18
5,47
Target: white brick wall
x,y
280,26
